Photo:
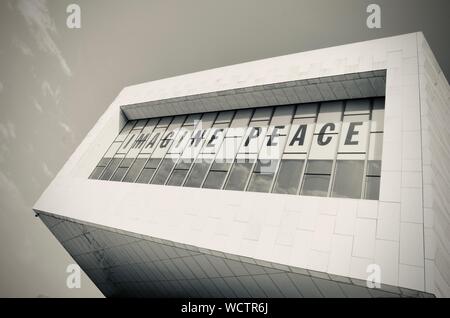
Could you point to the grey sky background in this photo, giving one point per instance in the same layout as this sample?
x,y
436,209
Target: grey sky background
x,y
55,83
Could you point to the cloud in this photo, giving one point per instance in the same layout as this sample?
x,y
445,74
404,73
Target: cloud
x,y
4,151
9,188
22,46
65,127
12,129
7,131
7,134
1,87
43,28
37,106
47,90
46,170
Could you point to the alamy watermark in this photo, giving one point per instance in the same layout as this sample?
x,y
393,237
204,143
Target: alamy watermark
x,y
374,19
73,20
74,278
374,278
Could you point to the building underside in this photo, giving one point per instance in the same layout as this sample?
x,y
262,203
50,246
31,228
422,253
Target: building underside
x,y
124,264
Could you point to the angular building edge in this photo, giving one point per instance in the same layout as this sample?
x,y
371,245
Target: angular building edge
x,y
155,267
435,133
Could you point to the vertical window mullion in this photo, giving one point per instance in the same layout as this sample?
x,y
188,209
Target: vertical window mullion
x,y
333,167
194,160
217,151
257,155
233,161
363,190
150,154
302,177
277,168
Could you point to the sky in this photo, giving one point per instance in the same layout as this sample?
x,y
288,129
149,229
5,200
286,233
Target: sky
x,y
55,82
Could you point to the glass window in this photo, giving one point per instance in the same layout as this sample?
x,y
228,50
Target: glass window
x,y
372,188
163,172
317,178
118,175
262,113
220,166
238,176
164,122
316,185
215,179
134,170
177,177
357,106
104,162
146,175
224,117
123,167
97,172
153,163
110,169
348,179
198,173
374,168
180,172
241,118
126,163
319,166
184,164
262,175
260,182
308,166
216,175
149,170
289,175
306,110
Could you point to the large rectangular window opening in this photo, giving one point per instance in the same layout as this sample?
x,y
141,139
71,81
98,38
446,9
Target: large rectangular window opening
x,y
328,149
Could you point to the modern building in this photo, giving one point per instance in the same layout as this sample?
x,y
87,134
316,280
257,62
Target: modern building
x,y
303,175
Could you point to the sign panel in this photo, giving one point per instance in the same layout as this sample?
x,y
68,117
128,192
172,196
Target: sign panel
x,y
338,134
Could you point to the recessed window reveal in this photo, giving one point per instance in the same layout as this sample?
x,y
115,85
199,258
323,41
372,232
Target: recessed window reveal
x,y
322,149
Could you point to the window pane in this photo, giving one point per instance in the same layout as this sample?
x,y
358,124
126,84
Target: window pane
x,y
215,179
118,175
260,182
348,180
111,168
372,188
145,175
163,171
288,177
184,164
220,166
316,185
266,166
134,170
224,117
238,176
126,163
262,175
152,163
197,174
373,167
177,177
104,162
319,166
96,173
